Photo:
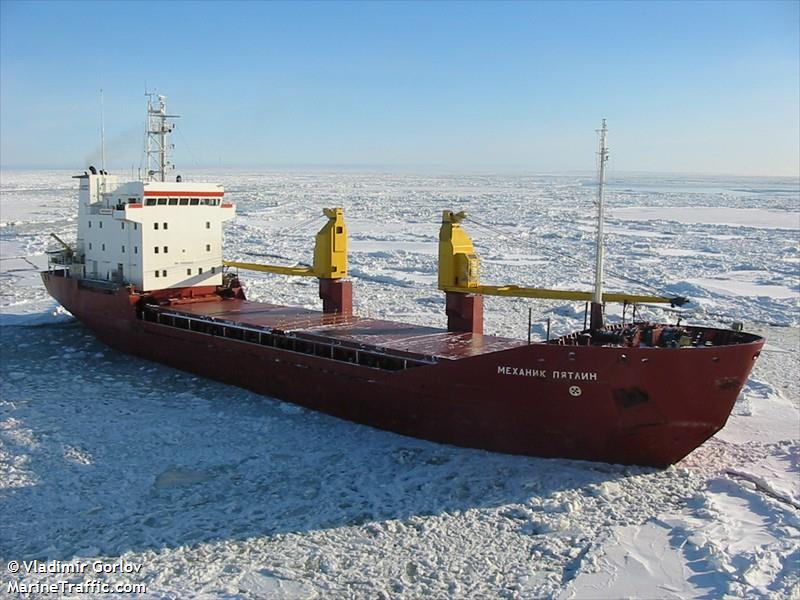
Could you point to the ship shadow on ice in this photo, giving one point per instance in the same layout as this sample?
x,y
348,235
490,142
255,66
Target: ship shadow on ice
x,y
107,454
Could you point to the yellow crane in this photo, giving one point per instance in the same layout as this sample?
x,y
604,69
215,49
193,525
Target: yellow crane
x,y
459,271
330,252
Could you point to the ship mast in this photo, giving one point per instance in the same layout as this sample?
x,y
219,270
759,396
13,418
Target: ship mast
x,y
597,302
157,129
102,133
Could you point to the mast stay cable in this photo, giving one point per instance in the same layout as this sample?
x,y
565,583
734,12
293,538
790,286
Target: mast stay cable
x,y
577,261
571,258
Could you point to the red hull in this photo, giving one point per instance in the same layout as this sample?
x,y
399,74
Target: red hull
x,y
643,405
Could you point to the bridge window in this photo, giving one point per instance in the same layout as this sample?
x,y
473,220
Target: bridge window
x,y
184,202
173,201
162,201
194,201
151,202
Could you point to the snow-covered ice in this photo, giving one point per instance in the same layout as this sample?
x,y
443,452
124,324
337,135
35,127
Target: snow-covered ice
x,y
219,492
714,215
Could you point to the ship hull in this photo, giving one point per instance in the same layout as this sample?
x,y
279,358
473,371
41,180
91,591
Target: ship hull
x,y
644,406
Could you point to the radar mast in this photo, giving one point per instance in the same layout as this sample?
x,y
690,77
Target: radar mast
x,y
158,126
601,185
597,301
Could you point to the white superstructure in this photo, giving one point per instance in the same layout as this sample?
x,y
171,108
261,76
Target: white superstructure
x,y
150,234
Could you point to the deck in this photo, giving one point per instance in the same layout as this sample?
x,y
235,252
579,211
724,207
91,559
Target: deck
x,y
388,336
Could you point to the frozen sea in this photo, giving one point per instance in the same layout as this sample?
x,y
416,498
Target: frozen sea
x,y
220,493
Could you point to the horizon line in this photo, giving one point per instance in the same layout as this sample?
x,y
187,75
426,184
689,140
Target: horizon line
x,y
412,168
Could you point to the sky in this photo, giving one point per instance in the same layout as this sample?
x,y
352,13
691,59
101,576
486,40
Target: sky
x,y
700,87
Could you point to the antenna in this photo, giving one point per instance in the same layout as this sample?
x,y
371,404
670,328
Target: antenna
x,y
102,133
601,184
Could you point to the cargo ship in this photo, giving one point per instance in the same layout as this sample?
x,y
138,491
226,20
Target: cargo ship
x,y
147,276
